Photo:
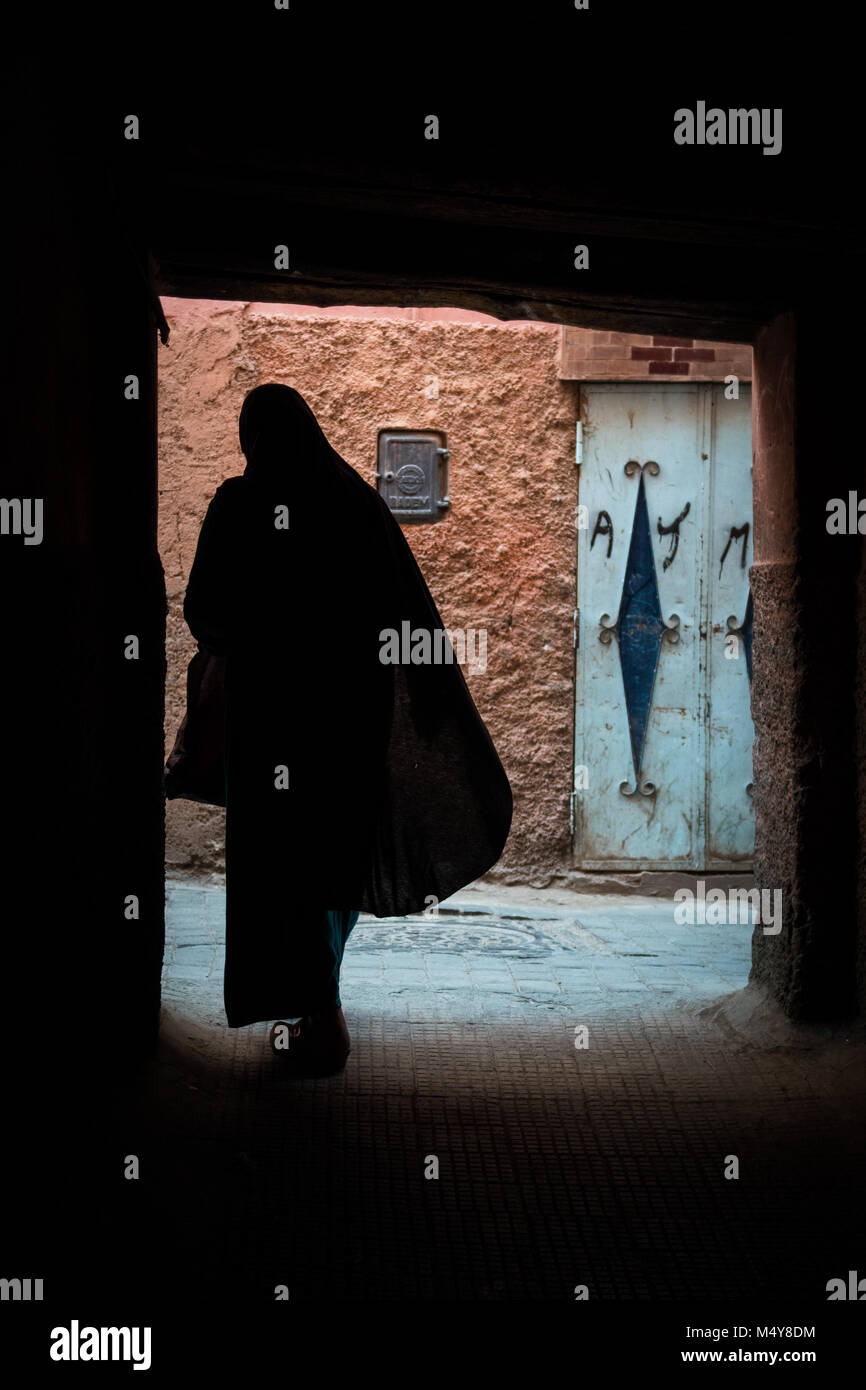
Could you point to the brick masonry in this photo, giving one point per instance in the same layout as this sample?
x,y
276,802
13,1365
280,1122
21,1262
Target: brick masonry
x,y
589,354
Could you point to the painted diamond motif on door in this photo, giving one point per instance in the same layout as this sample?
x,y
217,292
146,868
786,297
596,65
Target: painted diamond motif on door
x,y
639,630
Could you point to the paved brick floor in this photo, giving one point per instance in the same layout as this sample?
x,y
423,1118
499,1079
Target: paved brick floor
x,y
602,1166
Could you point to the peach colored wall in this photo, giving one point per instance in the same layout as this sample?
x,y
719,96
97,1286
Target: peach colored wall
x,y
503,558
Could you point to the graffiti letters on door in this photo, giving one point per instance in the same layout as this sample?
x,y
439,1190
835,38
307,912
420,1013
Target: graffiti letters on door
x,y
663,733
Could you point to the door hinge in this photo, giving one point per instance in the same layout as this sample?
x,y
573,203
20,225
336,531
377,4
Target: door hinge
x,y
575,631
578,444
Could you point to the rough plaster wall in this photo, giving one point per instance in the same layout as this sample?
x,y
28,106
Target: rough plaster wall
x,y
780,760
503,558
779,755
807,730
203,371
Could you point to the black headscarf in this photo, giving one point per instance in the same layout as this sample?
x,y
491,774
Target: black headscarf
x,y
398,794
277,428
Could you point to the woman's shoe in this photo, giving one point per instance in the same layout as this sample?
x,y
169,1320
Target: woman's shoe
x,y
317,1045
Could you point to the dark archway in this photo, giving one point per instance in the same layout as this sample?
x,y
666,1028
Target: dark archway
x,y
729,259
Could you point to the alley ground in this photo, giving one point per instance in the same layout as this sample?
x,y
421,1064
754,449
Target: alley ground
x,y
558,1166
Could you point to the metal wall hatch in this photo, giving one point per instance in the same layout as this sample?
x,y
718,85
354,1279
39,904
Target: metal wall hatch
x,y
412,474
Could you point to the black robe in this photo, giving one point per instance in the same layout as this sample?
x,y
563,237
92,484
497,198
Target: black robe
x,y
396,797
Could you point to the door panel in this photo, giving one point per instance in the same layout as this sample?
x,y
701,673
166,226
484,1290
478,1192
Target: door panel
x,y
729,812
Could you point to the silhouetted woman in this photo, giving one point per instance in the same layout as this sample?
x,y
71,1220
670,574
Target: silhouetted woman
x,y
352,784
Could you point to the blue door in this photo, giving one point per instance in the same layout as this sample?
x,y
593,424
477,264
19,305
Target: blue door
x,y
663,731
